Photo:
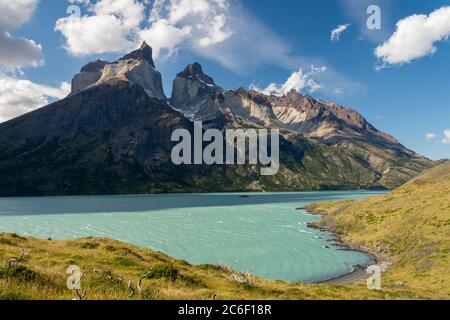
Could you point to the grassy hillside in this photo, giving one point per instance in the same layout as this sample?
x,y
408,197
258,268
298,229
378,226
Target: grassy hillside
x,y
409,228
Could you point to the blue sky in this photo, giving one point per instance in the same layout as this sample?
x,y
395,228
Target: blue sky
x,y
258,43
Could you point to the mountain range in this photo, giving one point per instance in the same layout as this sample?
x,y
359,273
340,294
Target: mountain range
x,y
112,135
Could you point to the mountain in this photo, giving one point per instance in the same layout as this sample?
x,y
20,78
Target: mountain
x,y
335,136
112,135
408,228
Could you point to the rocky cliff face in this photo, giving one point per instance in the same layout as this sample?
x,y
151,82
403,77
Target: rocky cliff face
x,y
89,74
112,135
136,67
195,94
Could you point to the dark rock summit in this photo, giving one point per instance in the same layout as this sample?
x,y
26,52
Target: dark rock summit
x,y
145,52
195,94
195,72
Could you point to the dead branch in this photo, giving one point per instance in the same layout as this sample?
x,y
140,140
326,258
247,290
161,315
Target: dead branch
x,y
244,278
80,296
142,278
132,290
17,260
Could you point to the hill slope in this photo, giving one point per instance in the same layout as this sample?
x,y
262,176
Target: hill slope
x,y
409,227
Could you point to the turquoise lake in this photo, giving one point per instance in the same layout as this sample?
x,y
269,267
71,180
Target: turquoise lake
x,y
262,233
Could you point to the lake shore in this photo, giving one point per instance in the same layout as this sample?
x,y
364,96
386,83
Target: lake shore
x,y
359,273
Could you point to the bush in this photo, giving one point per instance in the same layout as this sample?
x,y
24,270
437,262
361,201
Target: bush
x,y
18,272
89,245
110,248
163,271
124,262
13,296
149,294
108,282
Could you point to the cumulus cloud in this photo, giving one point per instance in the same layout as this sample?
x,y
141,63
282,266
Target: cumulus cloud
x,y
431,136
17,52
19,96
416,36
197,24
164,36
220,30
119,25
109,26
298,81
16,13
446,139
336,33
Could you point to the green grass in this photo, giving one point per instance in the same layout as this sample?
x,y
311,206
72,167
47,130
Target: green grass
x,y
410,228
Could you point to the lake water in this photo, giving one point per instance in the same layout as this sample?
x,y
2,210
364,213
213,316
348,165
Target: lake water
x,y
262,233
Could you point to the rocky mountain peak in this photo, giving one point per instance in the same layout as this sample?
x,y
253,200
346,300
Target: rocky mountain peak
x,y
94,66
89,75
192,89
145,52
137,67
195,72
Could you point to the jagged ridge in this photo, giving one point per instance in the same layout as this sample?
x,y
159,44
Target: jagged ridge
x,y
112,136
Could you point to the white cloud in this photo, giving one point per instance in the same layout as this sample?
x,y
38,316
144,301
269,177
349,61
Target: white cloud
x,y
336,33
218,32
17,52
162,35
196,24
446,139
19,96
110,26
298,81
431,136
120,25
16,13
416,36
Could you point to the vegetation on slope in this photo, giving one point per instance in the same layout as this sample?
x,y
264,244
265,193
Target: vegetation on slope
x,y
410,228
